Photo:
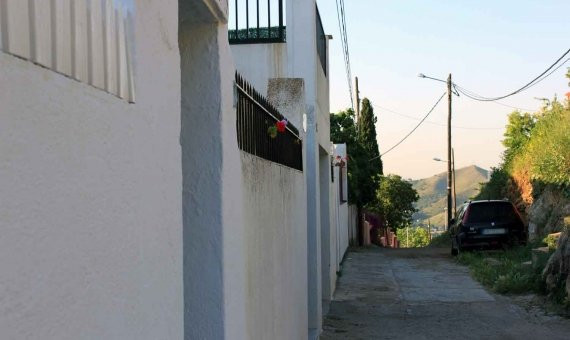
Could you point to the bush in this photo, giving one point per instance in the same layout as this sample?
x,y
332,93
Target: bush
x,y
442,240
506,271
547,153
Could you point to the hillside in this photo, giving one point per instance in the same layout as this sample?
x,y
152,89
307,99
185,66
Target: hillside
x,y
432,191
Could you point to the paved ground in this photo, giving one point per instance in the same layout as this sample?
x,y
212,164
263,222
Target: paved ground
x,y
423,294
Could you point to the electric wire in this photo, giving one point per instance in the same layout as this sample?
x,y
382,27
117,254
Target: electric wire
x,y
434,123
414,129
341,17
546,73
476,96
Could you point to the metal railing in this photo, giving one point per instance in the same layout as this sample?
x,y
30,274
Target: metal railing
x,y
255,116
321,42
251,24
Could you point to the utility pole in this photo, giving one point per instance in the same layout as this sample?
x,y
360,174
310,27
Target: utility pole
x,y
429,229
449,94
454,180
357,95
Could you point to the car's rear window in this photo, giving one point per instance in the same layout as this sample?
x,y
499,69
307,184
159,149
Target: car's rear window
x,y
487,212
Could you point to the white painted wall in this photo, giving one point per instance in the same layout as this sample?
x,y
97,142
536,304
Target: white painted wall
x,y
91,41
260,62
214,254
328,230
342,209
276,238
339,229
352,225
298,58
90,214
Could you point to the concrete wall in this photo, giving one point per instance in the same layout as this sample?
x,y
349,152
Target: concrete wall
x,y
274,205
298,58
337,236
260,62
343,224
328,231
275,235
90,219
352,225
90,41
214,254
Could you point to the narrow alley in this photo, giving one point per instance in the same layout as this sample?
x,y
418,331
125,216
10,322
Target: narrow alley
x,y
422,294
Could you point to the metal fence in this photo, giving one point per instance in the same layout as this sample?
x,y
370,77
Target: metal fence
x,y
321,42
252,23
255,116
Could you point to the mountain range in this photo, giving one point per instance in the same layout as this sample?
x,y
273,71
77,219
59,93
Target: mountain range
x,y
432,192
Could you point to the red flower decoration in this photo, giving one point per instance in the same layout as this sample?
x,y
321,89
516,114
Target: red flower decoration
x,y
281,125
568,95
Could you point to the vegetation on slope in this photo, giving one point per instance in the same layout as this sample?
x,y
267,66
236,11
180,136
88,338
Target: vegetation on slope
x,y
536,156
432,193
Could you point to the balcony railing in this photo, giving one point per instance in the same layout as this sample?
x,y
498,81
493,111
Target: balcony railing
x,y
255,116
256,22
321,42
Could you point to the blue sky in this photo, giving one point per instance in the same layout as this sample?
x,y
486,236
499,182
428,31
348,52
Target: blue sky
x,y
490,47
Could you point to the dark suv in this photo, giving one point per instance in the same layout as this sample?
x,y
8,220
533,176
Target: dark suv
x,y
486,224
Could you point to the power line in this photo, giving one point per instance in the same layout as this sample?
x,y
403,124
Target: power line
x,y
341,17
435,123
414,129
475,96
546,73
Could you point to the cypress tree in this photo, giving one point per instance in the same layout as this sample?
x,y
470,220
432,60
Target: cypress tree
x,y
370,167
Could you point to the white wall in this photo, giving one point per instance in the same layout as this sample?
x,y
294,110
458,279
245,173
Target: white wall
x,y
298,58
341,208
90,41
91,241
260,62
274,204
214,255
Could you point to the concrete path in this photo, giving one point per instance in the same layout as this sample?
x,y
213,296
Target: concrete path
x,y
423,294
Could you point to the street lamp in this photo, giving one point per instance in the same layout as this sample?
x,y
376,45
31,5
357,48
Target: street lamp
x,y
449,94
453,175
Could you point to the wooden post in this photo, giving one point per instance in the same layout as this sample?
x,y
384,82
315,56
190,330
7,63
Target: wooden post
x,y
449,94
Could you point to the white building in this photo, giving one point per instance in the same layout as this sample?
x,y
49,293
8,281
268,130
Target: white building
x,y
129,210
289,42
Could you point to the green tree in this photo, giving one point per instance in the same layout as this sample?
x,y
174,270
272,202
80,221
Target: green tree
x,y
364,165
370,165
517,134
495,188
412,237
395,200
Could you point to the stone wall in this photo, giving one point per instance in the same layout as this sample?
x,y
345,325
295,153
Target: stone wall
x,y
547,211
